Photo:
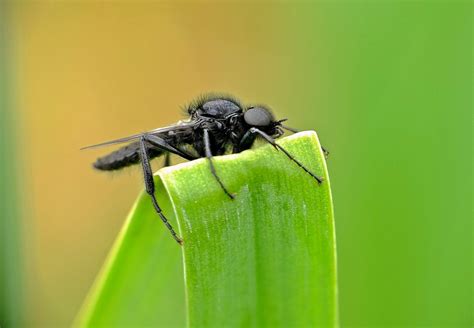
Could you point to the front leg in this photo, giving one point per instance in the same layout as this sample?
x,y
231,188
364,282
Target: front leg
x,y
270,140
207,148
325,151
246,142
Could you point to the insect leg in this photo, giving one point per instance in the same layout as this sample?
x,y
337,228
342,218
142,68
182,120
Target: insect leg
x,y
272,141
325,151
207,146
246,142
150,187
167,160
163,144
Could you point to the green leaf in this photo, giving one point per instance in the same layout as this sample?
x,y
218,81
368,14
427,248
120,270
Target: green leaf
x,y
266,258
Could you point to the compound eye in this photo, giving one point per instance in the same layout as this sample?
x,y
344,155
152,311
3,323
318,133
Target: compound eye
x,y
258,116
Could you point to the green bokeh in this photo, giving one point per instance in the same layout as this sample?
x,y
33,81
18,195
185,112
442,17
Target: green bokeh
x,y
393,85
11,290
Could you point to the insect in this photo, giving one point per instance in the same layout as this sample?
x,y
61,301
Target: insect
x,y
217,125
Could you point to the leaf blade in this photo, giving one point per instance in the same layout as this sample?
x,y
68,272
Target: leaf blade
x,y
269,250
264,259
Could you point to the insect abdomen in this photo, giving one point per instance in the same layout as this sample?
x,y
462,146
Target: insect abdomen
x,y
123,157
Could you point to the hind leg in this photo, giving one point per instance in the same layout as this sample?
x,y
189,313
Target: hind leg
x,y
150,188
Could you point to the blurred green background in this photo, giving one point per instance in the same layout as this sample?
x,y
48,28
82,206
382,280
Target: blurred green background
x,y
387,85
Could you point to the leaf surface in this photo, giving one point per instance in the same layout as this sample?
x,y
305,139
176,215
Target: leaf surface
x,y
266,258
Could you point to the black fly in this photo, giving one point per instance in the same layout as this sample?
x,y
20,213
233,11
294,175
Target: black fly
x,y
217,125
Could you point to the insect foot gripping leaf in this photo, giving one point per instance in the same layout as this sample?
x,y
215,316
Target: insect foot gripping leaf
x,y
266,258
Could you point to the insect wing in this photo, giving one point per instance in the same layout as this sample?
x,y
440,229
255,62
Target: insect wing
x,y
180,126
